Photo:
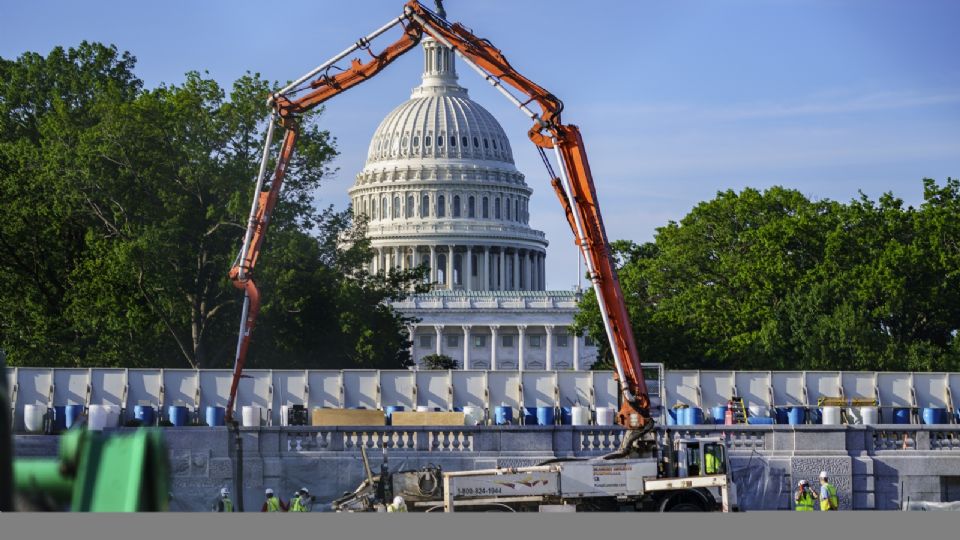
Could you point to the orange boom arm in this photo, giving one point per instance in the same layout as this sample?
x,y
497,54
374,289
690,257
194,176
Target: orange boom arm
x,y
574,185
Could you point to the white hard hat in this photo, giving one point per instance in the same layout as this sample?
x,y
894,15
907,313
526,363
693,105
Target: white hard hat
x,y
823,474
224,492
398,500
304,490
803,483
269,491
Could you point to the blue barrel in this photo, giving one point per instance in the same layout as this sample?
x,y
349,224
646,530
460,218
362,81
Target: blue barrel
x,y
529,416
215,415
718,413
566,415
796,415
458,409
672,417
901,415
179,415
388,412
780,413
59,417
694,416
503,415
546,416
144,413
934,415
72,413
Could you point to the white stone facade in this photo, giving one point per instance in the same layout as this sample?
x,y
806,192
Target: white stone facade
x,y
440,189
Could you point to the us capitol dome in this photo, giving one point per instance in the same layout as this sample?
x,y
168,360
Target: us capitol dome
x,y
439,188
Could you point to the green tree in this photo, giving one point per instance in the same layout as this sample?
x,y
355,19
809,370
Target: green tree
x,y
439,361
128,208
773,280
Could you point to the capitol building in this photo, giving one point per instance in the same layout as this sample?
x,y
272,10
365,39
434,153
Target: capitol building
x,y
440,189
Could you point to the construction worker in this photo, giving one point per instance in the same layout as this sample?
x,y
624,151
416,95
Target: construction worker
x,y
224,504
828,494
398,505
804,497
711,464
302,501
272,504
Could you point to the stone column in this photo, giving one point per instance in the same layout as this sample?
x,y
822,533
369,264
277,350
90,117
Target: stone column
x,y
403,257
439,330
493,346
486,272
516,269
412,329
576,350
450,267
433,264
466,346
521,330
468,275
549,329
543,271
528,272
502,259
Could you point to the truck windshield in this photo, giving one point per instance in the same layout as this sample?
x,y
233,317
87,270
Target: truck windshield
x,y
714,461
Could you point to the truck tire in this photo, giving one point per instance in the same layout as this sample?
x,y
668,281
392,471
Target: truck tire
x,y
685,501
685,507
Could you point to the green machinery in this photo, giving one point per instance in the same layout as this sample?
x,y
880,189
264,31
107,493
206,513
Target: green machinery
x,y
94,472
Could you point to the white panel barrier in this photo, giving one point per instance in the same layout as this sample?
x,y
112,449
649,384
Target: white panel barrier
x,y
504,388
446,390
788,389
930,389
540,389
361,389
605,389
716,388
437,389
823,384
71,386
397,388
576,387
326,389
255,389
755,387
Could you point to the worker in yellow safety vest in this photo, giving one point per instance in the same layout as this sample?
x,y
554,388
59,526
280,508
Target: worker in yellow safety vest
x,y
302,501
804,497
224,504
398,505
710,463
828,494
272,504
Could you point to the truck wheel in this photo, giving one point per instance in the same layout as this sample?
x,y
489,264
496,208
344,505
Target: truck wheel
x,y
685,507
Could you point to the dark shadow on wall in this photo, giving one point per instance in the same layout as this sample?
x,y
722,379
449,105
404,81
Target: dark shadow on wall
x,y
760,486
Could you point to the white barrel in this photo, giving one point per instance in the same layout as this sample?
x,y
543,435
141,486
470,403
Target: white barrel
x,y
473,416
869,415
760,411
423,408
251,416
96,417
33,417
579,415
284,415
604,416
113,415
831,416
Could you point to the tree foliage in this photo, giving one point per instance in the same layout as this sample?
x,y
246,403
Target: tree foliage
x,y
439,361
774,280
124,208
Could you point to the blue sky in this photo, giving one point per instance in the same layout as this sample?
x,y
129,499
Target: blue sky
x,y
676,100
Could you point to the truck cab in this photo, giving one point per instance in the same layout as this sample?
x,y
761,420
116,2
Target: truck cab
x,y
700,456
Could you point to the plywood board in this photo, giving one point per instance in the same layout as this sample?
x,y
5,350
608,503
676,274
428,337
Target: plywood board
x,y
347,417
404,418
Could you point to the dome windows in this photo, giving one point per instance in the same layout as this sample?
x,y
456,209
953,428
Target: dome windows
x,y
456,206
426,141
496,208
485,145
464,141
453,141
409,210
476,142
441,206
439,141
508,209
416,141
383,208
486,208
396,208
425,206
471,207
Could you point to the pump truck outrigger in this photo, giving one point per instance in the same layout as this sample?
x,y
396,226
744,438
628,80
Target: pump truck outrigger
x,y
571,180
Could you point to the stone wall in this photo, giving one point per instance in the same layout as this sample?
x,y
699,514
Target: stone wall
x,y
873,467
